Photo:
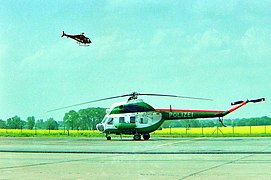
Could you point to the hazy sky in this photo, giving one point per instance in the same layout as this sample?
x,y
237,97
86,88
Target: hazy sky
x,y
212,49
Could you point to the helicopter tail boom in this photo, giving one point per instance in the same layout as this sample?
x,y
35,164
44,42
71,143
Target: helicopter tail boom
x,y
177,114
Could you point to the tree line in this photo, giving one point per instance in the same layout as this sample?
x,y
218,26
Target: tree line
x,y
17,123
87,119
84,119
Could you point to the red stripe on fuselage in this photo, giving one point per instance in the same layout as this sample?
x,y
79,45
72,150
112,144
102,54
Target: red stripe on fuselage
x,y
187,110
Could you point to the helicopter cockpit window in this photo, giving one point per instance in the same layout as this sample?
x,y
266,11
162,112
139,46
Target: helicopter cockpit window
x,y
132,119
104,120
110,121
121,120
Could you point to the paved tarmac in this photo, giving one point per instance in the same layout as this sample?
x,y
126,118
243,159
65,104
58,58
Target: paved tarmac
x,y
158,158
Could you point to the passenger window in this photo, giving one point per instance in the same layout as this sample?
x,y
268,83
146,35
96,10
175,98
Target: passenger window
x,y
110,121
132,119
121,120
144,121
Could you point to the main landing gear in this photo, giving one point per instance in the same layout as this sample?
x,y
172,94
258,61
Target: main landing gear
x,y
137,137
146,136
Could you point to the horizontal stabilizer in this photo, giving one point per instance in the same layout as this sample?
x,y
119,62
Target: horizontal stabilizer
x,y
254,101
257,100
236,102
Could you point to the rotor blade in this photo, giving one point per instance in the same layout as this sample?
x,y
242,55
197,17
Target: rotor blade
x,y
89,102
131,94
175,96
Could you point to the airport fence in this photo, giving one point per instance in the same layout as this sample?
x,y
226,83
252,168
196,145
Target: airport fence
x,y
234,131
217,131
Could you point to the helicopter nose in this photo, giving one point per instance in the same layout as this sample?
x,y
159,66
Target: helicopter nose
x,y
100,127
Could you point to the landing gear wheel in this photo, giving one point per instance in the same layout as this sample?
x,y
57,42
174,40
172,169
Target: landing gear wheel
x,y
108,138
146,136
137,137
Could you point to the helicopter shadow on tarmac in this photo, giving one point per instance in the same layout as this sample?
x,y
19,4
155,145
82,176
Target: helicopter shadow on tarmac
x,y
151,140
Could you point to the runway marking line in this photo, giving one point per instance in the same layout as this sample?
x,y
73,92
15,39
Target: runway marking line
x,y
176,142
216,166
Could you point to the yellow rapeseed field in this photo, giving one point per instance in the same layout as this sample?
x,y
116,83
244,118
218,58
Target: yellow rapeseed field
x,y
182,132
218,131
42,132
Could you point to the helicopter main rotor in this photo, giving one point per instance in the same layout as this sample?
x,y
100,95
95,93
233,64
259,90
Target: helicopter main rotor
x,y
132,96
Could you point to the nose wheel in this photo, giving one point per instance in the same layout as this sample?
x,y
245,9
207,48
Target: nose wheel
x,y
108,137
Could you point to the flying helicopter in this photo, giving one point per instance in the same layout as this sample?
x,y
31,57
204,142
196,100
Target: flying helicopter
x,y
81,39
138,118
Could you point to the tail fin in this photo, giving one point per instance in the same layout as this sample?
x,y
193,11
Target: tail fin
x,y
63,34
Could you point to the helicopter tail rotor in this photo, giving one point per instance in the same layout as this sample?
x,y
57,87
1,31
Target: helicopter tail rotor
x,y
63,34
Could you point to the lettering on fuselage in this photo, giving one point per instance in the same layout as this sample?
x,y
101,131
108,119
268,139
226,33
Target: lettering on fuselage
x,y
177,115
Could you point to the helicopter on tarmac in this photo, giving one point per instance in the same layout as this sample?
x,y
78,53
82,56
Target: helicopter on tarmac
x,y
81,39
137,118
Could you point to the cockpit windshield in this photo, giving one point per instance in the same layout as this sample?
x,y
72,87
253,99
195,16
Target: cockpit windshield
x,y
104,120
110,121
